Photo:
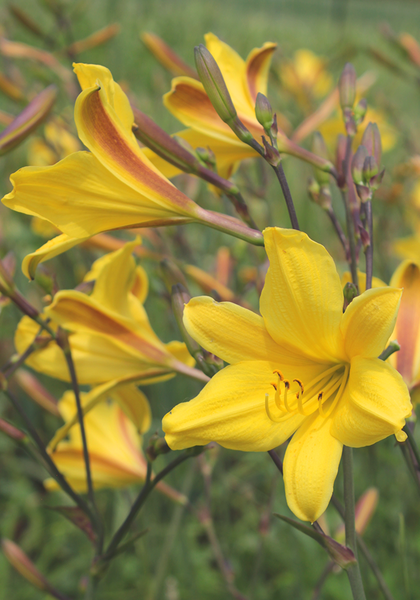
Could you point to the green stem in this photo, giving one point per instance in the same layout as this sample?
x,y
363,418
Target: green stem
x,y
353,572
52,468
63,342
366,553
349,216
412,442
369,249
141,498
279,171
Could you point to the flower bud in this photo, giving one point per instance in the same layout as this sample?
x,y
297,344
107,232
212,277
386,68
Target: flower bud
x,y
347,87
372,141
165,146
357,164
207,156
313,189
12,431
271,154
320,149
349,292
157,446
360,111
363,192
264,112
370,168
18,559
212,79
340,156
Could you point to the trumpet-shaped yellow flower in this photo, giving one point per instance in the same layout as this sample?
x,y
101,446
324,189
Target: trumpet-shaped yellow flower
x,y
110,334
114,444
302,368
306,77
189,103
113,186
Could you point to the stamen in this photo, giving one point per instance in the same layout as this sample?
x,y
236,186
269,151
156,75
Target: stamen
x,y
280,374
278,419
300,384
286,389
321,412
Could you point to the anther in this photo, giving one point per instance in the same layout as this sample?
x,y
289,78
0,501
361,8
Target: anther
x,y
274,386
279,373
321,412
300,384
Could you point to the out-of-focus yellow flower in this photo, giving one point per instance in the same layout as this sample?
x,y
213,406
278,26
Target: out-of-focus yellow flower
x,y
306,77
189,103
57,143
114,186
334,126
110,335
407,327
303,368
114,443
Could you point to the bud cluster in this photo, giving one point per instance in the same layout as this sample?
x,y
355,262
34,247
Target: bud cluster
x,y
366,163
352,115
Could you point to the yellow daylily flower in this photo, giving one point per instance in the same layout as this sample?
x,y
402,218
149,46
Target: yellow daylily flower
x,y
189,103
335,125
113,186
407,327
114,444
302,368
306,77
110,334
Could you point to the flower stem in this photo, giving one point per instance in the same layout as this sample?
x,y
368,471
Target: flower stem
x,y
279,171
339,231
141,498
366,553
349,215
369,248
50,464
63,343
353,572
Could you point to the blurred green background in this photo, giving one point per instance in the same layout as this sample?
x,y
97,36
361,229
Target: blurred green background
x,y
268,560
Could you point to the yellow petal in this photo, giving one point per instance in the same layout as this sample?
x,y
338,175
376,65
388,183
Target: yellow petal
x,y
233,68
230,410
369,320
408,248
115,279
310,468
302,301
375,404
376,282
81,197
52,248
230,332
407,328
257,67
89,76
189,103
97,358
101,130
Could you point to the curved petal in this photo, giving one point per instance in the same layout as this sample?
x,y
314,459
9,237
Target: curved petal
x,y
81,197
114,280
54,247
180,352
90,75
257,67
375,404
407,327
189,103
230,410
302,301
232,333
101,130
310,468
369,320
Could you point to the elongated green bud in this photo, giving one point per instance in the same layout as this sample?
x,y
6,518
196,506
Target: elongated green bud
x,y
264,112
372,141
357,164
212,79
